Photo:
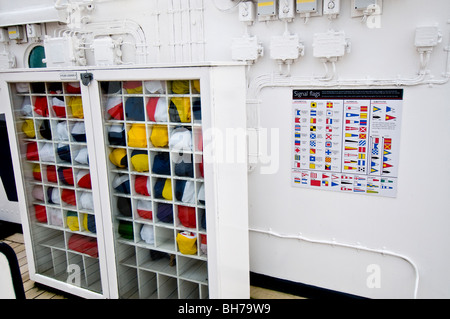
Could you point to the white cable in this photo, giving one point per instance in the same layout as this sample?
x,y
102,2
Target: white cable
x,y
271,80
226,9
357,247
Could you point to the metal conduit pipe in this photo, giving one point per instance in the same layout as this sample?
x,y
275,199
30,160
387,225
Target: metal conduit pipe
x,y
357,247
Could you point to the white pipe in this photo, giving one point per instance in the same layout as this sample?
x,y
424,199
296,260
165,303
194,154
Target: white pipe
x,y
271,80
59,6
171,16
226,9
113,28
447,69
357,247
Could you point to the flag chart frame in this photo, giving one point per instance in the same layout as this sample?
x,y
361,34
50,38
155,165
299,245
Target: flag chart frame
x,y
347,140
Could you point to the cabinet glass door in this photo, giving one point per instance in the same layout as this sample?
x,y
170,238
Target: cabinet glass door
x,y
154,152
55,164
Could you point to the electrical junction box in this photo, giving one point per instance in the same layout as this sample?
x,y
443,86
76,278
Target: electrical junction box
x,y
331,7
16,33
267,10
307,6
103,51
34,31
370,6
59,52
329,45
286,10
246,49
247,12
285,47
7,60
427,36
363,4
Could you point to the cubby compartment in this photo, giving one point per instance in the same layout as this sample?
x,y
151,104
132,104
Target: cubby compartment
x,y
60,265
164,239
92,273
126,255
183,164
148,285
143,210
157,261
186,217
55,217
74,107
43,259
167,287
163,213
128,282
192,269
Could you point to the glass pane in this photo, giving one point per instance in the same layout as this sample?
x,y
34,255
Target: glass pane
x,y
49,120
154,148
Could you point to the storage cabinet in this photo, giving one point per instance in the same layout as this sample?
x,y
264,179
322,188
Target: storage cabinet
x,y
124,194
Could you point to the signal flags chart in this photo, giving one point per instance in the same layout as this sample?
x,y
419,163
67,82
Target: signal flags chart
x,y
347,140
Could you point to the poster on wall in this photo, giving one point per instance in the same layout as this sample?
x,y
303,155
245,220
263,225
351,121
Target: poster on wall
x,y
347,140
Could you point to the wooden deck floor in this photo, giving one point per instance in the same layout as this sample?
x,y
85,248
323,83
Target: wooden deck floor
x,y
32,289
38,291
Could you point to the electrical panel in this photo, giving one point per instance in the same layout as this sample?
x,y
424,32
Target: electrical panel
x,y
331,7
307,6
267,10
247,12
286,10
360,8
16,33
363,4
34,31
